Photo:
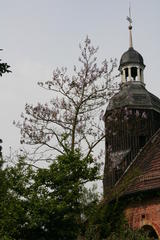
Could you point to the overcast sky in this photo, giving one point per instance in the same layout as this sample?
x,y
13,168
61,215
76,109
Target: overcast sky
x,y
39,35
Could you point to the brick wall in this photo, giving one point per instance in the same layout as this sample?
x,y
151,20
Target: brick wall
x,y
144,213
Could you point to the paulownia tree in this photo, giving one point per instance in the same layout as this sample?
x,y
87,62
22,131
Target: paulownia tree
x,y
72,119
70,126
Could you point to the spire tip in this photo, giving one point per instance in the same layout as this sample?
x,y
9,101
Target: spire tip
x,y
129,19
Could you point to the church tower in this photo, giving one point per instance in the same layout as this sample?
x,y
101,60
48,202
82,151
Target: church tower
x,y
131,119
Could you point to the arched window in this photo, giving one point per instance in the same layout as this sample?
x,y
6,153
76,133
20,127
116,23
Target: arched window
x,y
134,73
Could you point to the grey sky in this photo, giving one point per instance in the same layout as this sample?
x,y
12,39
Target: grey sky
x,y
39,35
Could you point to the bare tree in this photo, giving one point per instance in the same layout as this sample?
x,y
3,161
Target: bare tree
x,y
73,118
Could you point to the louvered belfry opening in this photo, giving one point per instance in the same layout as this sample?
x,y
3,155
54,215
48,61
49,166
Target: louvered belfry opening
x,y
127,131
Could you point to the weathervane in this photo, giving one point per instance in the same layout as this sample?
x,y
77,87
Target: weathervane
x,y
129,19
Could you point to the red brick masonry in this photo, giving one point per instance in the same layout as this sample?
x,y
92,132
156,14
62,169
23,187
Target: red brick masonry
x,y
144,213
147,212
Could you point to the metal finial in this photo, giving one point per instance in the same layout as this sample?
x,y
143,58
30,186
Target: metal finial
x,y
129,19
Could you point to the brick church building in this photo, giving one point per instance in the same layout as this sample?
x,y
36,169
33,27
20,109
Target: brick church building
x,y
132,122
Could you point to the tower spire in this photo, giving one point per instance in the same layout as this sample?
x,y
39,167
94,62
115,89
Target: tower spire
x,y
129,19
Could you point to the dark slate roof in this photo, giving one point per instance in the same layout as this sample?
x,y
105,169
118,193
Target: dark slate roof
x,y
131,57
134,95
147,162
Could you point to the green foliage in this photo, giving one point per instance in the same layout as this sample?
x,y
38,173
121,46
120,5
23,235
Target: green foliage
x,y
108,222
47,202
13,204
107,218
59,192
4,68
53,203
129,234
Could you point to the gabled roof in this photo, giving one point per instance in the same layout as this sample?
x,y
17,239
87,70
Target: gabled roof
x,y
147,162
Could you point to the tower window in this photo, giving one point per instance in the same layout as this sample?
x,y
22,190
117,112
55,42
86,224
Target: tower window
x,y
134,73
